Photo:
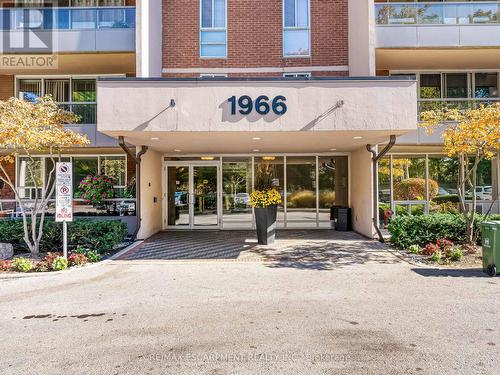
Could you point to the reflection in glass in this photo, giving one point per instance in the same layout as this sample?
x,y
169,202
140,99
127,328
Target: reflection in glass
x,y
301,191
82,167
333,185
277,166
237,186
205,196
178,196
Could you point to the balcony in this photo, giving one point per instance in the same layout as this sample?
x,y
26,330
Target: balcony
x,y
457,24
41,30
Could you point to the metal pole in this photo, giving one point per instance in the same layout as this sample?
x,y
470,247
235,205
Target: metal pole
x,y
65,239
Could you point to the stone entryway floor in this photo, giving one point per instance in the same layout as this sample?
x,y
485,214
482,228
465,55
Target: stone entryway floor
x,y
320,249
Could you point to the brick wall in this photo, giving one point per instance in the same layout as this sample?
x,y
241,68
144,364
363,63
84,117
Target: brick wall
x,y
6,86
254,35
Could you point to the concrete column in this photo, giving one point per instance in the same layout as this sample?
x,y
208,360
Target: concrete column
x,y
148,38
362,41
151,194
362,192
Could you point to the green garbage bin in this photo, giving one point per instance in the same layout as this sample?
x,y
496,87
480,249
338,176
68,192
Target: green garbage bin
x,y
490,233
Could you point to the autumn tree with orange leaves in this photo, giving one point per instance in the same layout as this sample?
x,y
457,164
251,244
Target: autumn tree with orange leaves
x,y
27,128
471,136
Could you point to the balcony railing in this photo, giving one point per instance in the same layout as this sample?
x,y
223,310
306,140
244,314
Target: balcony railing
x,y
67,18
465,13
85,110
462,104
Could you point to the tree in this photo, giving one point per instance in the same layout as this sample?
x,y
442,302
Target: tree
x,y
25,128
472,136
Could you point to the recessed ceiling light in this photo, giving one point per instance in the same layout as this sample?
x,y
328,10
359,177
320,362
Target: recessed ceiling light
x,y
207,158
176,150
256,150
155,138
333,149
256,138
358,137
269,158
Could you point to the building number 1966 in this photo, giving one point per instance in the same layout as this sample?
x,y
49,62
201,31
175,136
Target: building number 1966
x,y
263,105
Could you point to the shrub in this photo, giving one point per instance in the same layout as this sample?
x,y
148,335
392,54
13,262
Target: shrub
x,y
59,264
93,256
41,266
5,265
76,259
95,189
11,231
97,235
414,249
326,198
100,235
22,264
436,257
50,258
414,189
424,229
444,244
302,199
430,249
456,254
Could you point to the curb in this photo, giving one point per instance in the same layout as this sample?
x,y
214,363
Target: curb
x,y
129,248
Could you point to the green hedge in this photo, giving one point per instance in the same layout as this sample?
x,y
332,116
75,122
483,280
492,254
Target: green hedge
x,y
100,235
421,230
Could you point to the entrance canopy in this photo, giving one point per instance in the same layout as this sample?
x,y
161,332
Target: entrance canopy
x,y
244,115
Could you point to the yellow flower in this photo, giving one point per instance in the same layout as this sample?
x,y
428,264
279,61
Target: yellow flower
x,y
264,198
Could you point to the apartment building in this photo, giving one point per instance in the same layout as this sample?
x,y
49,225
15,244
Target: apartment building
x,y
210,89
59,48
453,51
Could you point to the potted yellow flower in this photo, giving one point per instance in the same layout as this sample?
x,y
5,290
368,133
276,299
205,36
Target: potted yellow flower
x,y
265,199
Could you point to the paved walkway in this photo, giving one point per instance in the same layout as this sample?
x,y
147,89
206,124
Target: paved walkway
x,y
297,248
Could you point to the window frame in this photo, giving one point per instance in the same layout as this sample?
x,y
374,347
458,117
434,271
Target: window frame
x,y
212,29
296,28
43,159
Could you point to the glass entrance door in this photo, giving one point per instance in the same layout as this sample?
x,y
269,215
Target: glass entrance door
x,y
192,196
205,196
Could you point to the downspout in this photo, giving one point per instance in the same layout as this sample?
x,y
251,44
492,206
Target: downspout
x,y
375,159
137,160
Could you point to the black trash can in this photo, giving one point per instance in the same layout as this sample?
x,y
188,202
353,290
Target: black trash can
x,y
344,219
334,215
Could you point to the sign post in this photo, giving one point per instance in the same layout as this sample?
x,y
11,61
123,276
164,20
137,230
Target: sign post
x,y
64,199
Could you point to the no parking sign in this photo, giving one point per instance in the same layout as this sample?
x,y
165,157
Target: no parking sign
x,y
64,192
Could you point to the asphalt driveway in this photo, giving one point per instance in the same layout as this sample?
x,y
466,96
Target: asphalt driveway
x,y
377,314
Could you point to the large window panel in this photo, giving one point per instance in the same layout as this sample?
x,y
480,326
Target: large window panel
x,y
236,190
301,191
30,89
30,177
333,186
486,85
82,167
296,28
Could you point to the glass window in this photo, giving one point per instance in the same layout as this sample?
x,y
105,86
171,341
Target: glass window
x,y
457,85
296,28
430,86
444,171
486,85
58,89
30,89
115,168
278,173
213,33
82,167
333,186
236,190
301,191
30,177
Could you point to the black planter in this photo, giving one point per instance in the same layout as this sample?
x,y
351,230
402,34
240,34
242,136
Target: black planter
x,y
265,220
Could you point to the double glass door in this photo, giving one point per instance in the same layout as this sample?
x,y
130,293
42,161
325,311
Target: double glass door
x,y
192,196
